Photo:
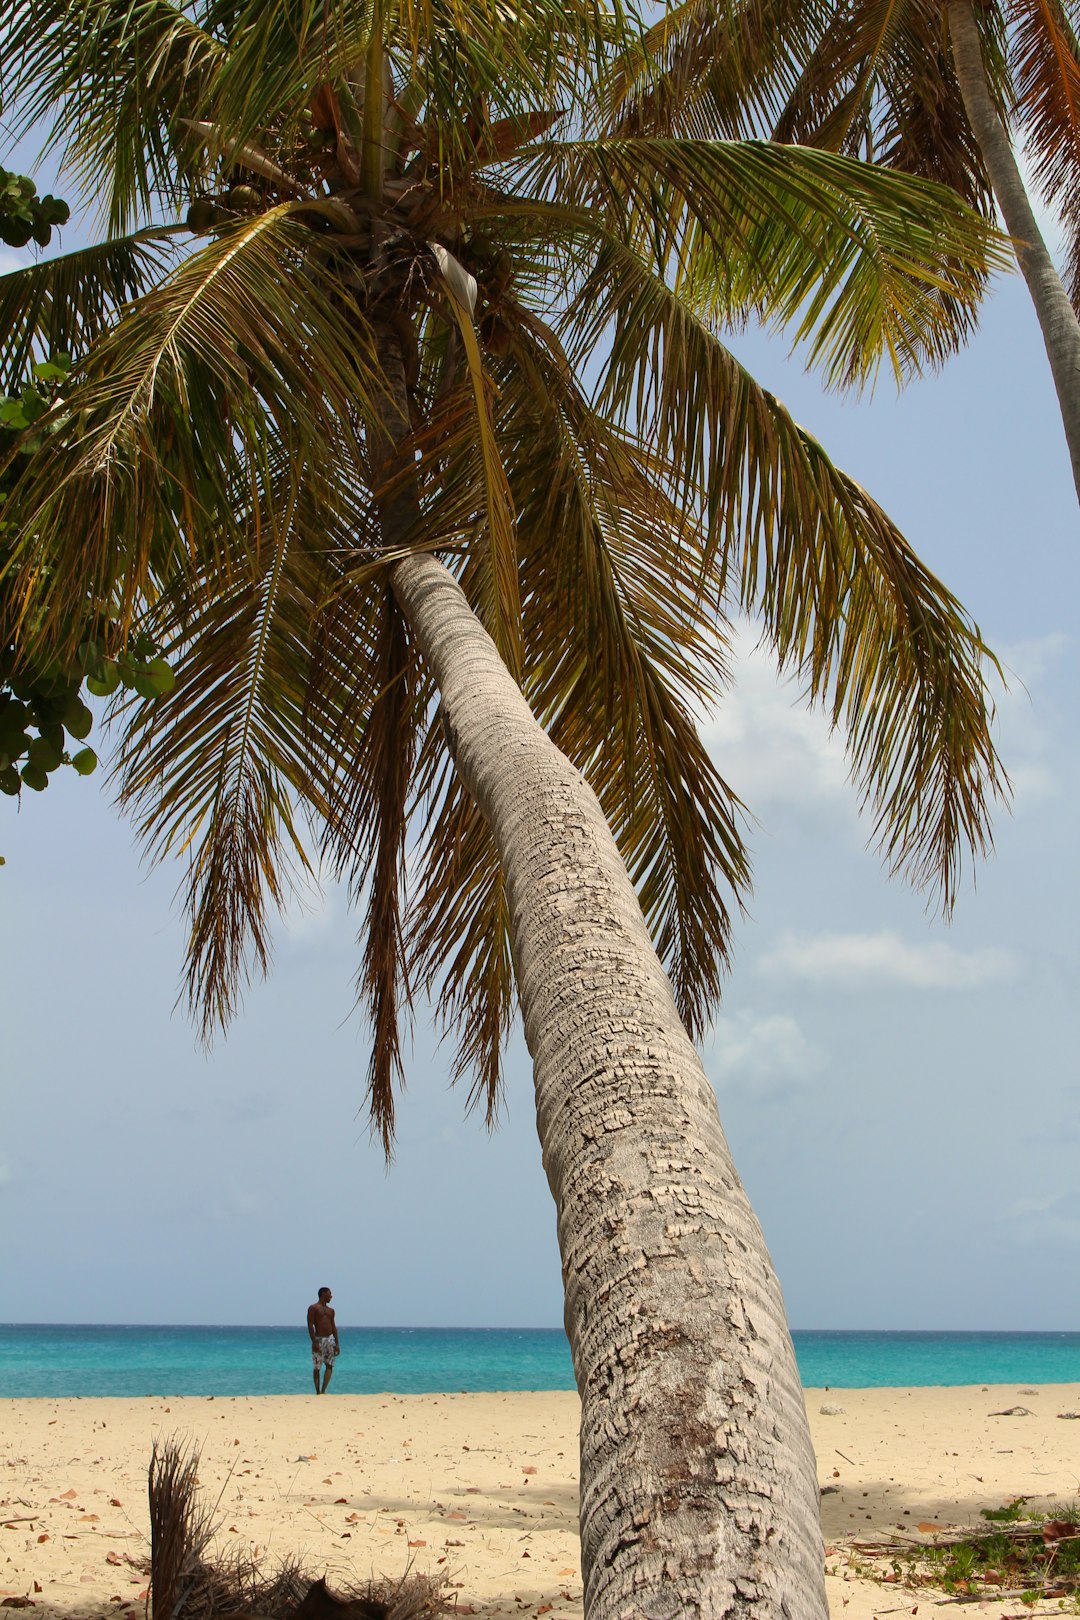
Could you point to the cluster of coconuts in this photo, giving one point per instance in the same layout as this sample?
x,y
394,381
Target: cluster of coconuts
x,y
206,212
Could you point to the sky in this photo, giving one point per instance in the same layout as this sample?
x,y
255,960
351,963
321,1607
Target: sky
x,y
900,1092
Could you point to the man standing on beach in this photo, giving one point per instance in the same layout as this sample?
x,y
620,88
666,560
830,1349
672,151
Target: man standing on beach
x,y
325,1344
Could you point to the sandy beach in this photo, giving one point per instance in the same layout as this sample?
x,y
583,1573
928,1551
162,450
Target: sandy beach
x,y
480,1489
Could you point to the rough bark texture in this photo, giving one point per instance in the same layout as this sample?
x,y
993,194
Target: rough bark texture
x,y
699,1489
698,1484
1056,316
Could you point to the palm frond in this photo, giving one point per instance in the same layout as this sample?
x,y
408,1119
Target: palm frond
x,y
1046,68
874,264
62,305
369,751
709,69
459,926
109,78
239,351
217,770
880,84
802,543
494,559
620,633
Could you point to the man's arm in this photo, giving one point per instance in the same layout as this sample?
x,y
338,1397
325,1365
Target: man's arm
x,y
337,1341
311,1323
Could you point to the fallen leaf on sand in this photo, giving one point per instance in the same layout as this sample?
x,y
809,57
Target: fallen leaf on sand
x,y
44,1536
113,1558
568,1572
528,1470
1059,1529
417,1543
341,1501
68,1496
114,1501
928,1525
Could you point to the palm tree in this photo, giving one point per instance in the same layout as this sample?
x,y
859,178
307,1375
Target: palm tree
x,y
923,89
341,458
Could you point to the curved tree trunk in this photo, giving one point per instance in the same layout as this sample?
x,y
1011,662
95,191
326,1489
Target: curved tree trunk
x,y
698,1485
1056,316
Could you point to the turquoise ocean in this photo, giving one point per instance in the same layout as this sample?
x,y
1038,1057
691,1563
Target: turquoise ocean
x,y
44,1360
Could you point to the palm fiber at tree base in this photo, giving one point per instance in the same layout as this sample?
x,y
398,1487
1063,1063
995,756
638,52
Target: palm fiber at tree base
x,y
186,1585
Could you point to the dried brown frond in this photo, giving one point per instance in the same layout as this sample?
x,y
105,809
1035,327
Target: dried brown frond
x,y
371,749
459,934
1046,66
186,1583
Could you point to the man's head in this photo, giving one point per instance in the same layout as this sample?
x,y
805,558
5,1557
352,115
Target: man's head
x,y
325,1296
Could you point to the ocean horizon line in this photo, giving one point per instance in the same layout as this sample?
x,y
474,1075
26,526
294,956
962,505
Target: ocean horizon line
x,y
133,1358
496,1327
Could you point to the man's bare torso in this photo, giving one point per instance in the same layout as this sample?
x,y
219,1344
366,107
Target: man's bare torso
x,y
321,1320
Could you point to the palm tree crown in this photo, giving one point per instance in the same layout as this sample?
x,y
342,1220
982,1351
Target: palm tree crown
x,y
434,303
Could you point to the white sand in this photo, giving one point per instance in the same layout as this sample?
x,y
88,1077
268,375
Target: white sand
x,y
480,1488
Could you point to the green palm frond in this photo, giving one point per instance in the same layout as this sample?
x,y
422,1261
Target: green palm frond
x,y
461,67
62,305
800,542
874,264
1046,67
109,78
706,69
216,771
240,352
623,633
619,634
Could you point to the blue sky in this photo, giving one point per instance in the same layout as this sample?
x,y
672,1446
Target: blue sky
x,y
900,1094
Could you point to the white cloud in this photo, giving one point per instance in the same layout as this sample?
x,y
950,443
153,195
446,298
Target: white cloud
x,y
1029,740
857,960
768,746
767,1055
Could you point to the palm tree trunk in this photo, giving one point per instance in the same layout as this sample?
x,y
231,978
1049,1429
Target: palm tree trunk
x,y
698,1485
1056,316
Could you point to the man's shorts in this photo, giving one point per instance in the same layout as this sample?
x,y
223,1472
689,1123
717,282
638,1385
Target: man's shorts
x,y
323,1352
